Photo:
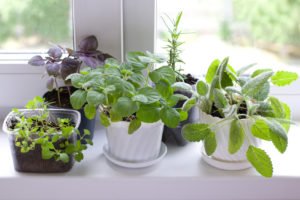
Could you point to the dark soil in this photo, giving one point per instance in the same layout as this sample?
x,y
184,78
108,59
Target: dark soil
x,y
51,97
190,79
241,110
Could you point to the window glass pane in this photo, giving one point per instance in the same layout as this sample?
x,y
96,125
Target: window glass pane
x,y
32,25
266,32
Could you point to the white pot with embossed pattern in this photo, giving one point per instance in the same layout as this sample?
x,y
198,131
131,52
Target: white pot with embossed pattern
x,y
142,146
221,158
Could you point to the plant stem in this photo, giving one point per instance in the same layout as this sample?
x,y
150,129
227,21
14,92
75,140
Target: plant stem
x,y
58,93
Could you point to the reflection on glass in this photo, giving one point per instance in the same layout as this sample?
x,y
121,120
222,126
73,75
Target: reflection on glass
x,y
32,25
266,32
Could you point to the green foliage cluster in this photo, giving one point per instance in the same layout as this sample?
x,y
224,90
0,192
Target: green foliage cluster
x,y
56,137
270,20
234,97
37,18
122,92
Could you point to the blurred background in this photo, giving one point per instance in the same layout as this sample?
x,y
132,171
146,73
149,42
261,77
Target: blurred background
x,y
32,25
266,32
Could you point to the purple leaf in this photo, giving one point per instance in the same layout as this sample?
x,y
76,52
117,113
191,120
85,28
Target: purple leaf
x,y
69,66
36,61
55,52
89,61
50,83
89,43
53,69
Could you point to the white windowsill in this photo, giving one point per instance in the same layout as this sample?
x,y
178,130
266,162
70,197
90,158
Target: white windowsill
x,y
180,175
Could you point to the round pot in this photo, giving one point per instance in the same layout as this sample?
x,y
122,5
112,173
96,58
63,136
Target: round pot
x,y
85,123
32,161
221,158
143,145
175,134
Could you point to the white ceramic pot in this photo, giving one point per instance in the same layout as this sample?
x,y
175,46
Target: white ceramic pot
x,y
143,145
221,158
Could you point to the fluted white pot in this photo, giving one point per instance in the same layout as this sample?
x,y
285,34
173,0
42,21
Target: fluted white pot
x,y
143,145
221,158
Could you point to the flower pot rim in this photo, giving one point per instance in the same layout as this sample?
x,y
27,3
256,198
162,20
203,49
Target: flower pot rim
x,y
144,124
7,118
218,118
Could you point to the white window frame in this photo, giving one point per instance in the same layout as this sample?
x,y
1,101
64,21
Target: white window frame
x,y
131,26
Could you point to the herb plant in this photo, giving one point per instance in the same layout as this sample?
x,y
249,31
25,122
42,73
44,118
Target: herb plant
x,y
55,136
173,45
60,62
232,96
122,93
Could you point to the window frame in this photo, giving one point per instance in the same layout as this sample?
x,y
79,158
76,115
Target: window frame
x,y
133,23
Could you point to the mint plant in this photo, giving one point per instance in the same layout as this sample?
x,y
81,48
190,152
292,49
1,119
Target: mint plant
x,y
122,93
55,136
233,96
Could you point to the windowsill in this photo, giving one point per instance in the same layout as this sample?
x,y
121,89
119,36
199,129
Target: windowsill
x,y
180,175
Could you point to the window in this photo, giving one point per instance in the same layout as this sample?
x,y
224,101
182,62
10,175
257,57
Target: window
x,y
250,31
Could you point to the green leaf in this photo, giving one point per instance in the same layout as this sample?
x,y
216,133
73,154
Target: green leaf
x,y
140,98
260,71
173,100
256,84
78,98
138,78
181,86
220,99
78,156
195,132
282,78
148,113
260,161
47,154
170,117
189,104
263,93
164,88
260,129
151,94
64,157
210,143
202,88
211,72
277,107
104,120
242,70
95,98
125,107
183,114
115,116
134,125
163,73
278,135
236,136
90,111
76,79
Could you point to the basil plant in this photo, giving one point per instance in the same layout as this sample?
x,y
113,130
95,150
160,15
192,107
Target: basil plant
x,y
129,91
233,96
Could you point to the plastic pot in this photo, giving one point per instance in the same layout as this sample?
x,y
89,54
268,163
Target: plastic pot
x,y
221,158
143,145
85,122
32,161
174,134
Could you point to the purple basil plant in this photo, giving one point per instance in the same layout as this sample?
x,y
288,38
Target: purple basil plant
x,y
59,66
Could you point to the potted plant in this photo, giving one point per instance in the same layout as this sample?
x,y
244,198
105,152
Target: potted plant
x,y
236,113
132,111
60,63
42,139
174,62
